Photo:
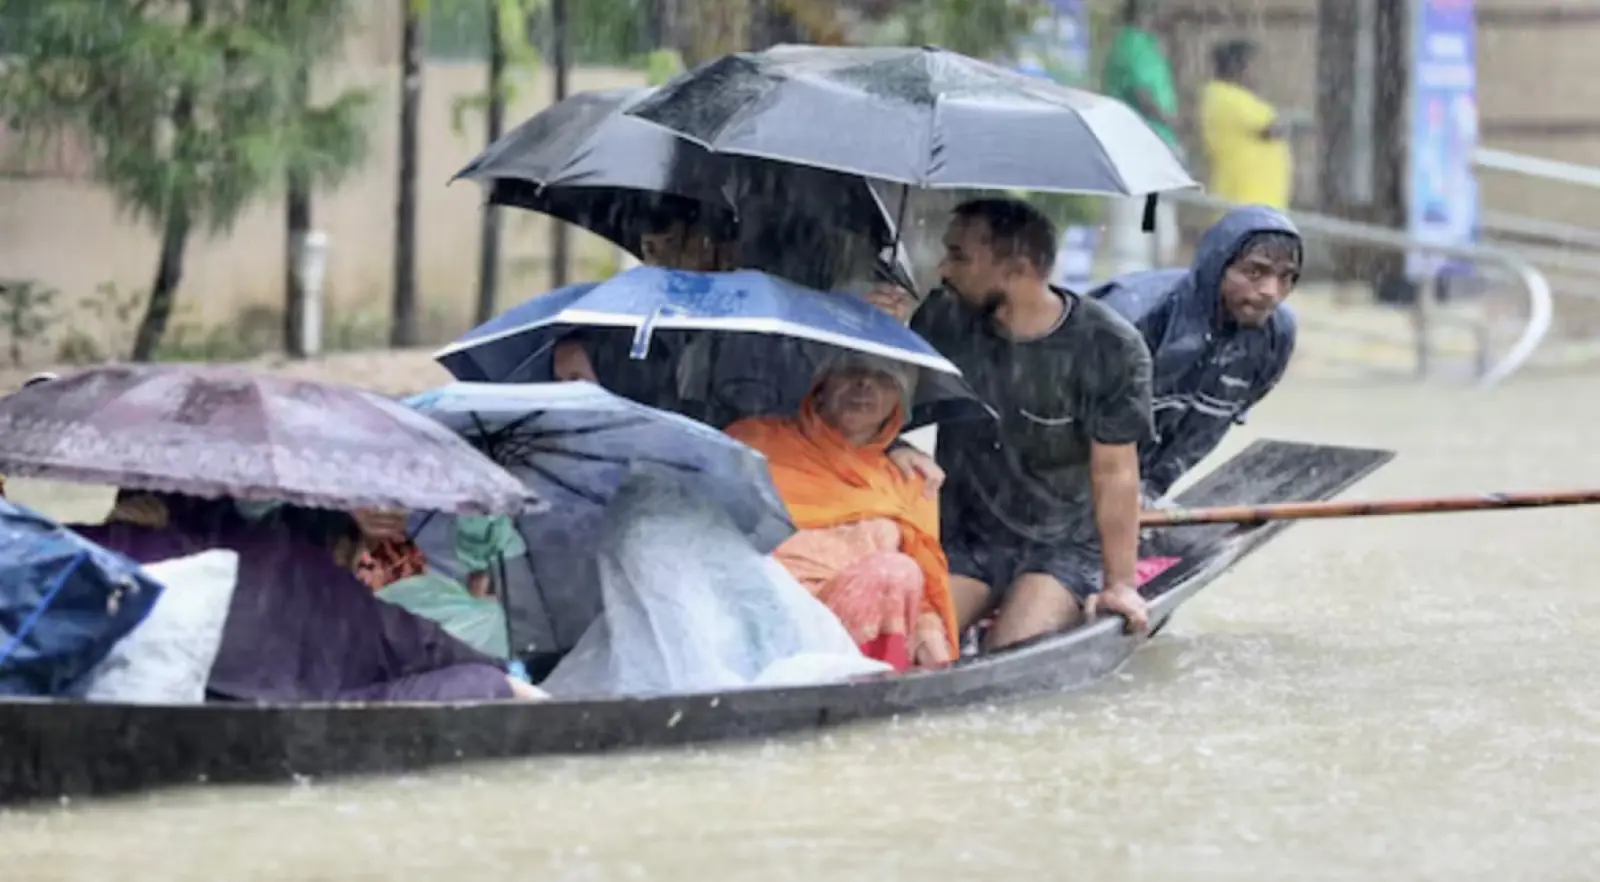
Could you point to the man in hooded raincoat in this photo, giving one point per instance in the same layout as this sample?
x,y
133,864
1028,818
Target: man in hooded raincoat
x,y
1218,333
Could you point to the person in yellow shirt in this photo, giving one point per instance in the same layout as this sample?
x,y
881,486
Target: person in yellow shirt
x,y
1246,141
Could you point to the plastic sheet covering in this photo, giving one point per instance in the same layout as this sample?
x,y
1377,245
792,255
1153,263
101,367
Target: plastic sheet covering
x,y
64,602
690,606
476,621
168,658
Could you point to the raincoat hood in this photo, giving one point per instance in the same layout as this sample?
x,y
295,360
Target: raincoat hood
x,y
1196,292
1208,371
1220,244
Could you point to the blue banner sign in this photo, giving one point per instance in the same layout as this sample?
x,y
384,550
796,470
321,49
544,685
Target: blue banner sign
x,y
1443,204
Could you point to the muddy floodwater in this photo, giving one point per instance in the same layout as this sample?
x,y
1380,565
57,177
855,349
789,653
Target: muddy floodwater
x,y
1379,699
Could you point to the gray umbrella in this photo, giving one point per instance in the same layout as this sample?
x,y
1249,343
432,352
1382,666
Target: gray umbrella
x,y
921,117
217,432
585,161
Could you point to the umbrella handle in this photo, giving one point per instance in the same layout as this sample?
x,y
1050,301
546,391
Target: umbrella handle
x,y
641,335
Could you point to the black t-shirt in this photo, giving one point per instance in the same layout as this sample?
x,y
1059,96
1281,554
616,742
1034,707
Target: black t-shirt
x,y
1087,381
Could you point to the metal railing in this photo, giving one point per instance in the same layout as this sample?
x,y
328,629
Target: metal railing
x,y
1516,267
1538,167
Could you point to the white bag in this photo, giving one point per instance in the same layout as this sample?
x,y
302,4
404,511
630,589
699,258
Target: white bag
x,y
167,659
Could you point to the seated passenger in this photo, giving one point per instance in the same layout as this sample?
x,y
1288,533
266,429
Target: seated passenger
x,y
717,379
390,555
301,627
868,545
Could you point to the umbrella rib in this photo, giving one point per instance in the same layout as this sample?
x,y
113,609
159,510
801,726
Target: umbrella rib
x,y
615,460
626,423
550,476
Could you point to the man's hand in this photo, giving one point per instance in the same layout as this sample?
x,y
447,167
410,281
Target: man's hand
x,y
913,463
1123,600
572,362
893,299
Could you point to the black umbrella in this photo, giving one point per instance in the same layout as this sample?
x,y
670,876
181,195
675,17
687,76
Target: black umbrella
x,y
921,117
584,161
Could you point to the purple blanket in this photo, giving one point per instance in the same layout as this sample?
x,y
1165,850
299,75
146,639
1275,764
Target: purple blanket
x,y
302,629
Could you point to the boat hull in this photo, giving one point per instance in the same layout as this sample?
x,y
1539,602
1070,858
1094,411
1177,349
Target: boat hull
x,y
50,749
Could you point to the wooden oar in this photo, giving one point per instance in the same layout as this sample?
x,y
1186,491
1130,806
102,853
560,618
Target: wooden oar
x,y
1305,511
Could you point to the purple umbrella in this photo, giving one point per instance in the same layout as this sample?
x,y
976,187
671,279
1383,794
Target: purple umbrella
x,y
225,432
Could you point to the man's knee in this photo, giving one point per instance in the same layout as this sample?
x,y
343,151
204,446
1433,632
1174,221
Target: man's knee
x,y
971,598
1036,604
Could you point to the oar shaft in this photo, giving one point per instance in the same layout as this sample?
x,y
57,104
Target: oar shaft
x,y
1304,511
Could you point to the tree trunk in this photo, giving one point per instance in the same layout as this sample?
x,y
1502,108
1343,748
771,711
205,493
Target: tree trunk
x,y
559,245
175,224
297,223
403,327
164,291
489,245
1391,132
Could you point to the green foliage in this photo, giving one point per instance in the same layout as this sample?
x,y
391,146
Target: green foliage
x,y
195,111
27,309
113,312
980,28
662,65
522,57
603,32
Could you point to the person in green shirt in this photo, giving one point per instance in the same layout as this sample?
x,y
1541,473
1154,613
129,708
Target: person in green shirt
x,y
1139,74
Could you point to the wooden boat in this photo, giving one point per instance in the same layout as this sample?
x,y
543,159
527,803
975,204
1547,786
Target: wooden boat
x,y
50,749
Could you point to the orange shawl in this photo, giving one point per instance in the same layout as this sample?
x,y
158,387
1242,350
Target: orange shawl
x,y
826,482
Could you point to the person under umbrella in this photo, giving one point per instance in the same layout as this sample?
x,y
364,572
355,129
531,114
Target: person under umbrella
x,y
1039,514
300,626
585,161
575,443
868,540
194,449
717,381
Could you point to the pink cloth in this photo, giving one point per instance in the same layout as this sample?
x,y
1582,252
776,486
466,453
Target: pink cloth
x,y
1150,567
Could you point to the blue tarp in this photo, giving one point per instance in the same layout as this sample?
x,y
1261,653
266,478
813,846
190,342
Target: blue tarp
x,y
64,602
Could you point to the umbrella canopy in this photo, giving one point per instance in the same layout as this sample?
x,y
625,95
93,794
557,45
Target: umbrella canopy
x,y
573,443
576,443
585,161
217,432
652,301
917,116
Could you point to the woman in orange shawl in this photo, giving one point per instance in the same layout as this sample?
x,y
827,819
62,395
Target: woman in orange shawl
x,y
868,540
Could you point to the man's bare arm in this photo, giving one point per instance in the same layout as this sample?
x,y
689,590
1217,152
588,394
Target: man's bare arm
x,y
1114,489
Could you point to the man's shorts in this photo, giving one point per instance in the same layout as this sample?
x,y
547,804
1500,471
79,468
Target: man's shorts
x,y
994,555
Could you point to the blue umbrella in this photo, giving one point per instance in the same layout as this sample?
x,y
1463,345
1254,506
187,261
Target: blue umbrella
x,y
649,300
577,442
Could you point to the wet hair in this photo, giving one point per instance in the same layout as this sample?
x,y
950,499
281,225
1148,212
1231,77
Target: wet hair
x,y
1016,229
667,210
1230,58
1277,244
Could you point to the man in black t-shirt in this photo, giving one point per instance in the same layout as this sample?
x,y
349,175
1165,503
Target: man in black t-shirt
x,y
1040,509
